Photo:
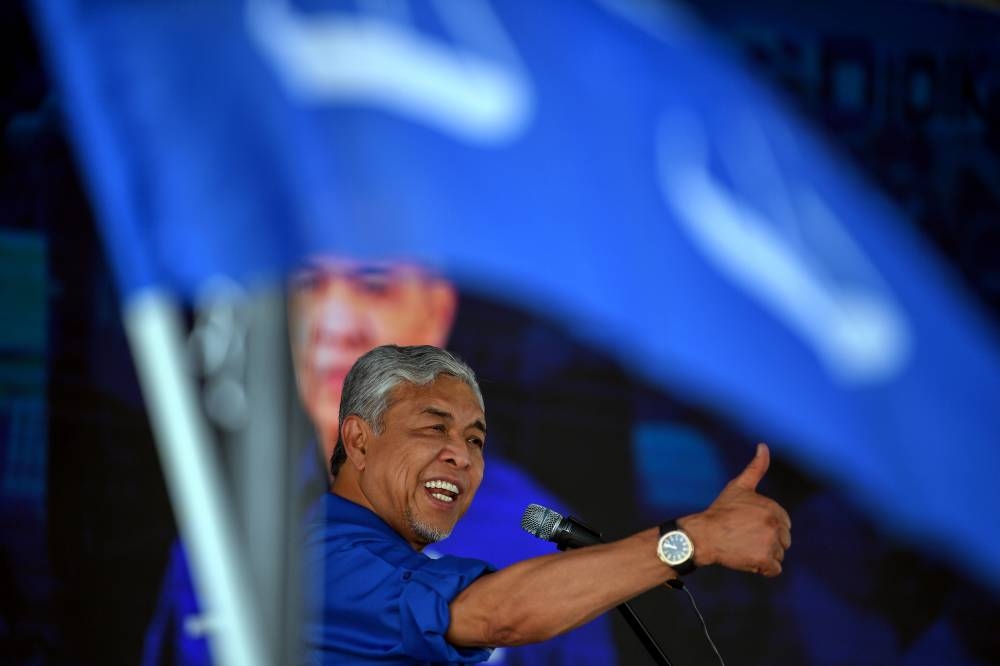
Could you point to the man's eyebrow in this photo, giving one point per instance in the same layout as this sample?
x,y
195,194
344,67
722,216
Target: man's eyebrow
x,y
434,411
373,271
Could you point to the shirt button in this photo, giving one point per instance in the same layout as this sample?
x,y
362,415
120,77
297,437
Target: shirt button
x,y
407,574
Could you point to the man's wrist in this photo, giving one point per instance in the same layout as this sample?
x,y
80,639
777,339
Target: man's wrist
x,y
694,525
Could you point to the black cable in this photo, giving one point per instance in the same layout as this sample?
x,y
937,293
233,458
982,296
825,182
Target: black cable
x,y
678,584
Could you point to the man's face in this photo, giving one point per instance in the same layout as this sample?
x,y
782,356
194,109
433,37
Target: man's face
x,y
431,446
341,309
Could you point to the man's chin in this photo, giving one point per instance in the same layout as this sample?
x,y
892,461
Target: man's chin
x,y
426,533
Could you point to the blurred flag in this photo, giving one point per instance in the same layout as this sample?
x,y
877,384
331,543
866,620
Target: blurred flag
x,y
599,162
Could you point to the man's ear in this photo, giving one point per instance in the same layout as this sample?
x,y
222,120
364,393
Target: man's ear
x,y
442,302
356,436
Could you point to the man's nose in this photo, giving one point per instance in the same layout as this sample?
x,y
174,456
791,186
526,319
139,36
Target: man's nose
x,y
340,320
456,452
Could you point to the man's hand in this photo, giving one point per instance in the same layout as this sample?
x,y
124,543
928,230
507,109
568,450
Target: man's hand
x,y
741,529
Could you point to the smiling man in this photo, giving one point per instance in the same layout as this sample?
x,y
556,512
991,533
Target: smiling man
x,y
408,463
428,463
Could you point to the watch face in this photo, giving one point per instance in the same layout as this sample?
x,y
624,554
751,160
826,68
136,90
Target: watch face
x,y
675,547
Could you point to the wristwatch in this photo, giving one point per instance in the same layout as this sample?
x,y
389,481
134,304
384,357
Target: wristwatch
x,y
675,548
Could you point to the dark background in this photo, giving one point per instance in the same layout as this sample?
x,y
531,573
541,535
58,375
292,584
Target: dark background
x,y
909,90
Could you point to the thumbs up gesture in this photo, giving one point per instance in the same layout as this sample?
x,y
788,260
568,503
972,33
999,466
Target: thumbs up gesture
x,y
741,529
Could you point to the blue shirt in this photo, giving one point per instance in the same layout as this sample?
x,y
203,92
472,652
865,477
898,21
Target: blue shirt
x,y
370,598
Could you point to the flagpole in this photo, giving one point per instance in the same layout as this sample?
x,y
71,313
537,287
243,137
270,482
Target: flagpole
x,y
194,479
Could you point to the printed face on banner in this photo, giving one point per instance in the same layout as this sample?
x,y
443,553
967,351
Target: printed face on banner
x,y
339,309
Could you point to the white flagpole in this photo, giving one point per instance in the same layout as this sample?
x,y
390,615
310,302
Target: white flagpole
x,y
194,479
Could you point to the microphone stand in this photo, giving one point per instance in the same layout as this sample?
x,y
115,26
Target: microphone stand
x,y
630,616
643,634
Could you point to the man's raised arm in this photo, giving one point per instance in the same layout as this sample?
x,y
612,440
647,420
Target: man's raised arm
x,y
543,597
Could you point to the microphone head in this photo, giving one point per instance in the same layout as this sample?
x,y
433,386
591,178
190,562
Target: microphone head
x,y
540,521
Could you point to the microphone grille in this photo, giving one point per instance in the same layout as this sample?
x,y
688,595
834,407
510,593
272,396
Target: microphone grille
x,y
540,521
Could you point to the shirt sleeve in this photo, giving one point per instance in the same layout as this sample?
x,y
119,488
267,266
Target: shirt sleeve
x,y
423,608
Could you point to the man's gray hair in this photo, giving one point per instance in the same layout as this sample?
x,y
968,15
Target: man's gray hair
x,y
373,377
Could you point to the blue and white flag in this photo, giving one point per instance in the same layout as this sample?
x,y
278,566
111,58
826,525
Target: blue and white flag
x,y
597,161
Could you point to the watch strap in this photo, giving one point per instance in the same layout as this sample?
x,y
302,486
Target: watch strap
x,y
669,526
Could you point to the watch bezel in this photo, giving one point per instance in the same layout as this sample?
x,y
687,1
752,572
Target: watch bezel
x,y
663,557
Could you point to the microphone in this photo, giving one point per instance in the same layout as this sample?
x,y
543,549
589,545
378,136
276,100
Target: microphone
x,y
551,526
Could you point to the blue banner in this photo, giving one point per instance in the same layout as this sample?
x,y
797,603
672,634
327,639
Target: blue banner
x,y
598,162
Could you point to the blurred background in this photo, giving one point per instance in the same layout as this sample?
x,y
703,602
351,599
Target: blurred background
x,y
908,91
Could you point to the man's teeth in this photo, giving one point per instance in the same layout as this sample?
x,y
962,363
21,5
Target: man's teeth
x,y
443,485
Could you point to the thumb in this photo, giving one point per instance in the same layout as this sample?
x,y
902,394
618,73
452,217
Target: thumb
x,y
754,472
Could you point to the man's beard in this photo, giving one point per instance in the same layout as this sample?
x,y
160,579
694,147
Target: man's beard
x,y
424,532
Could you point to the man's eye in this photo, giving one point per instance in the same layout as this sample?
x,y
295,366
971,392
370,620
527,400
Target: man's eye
x,y
308,279
375,281
374,287
477,442
440,427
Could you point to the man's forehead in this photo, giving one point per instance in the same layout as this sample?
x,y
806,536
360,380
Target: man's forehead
x,y
446,393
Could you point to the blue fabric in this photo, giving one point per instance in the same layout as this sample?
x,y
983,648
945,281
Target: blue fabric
x,y
172,636
371,598
621,174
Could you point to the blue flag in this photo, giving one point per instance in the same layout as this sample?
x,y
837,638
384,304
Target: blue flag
x,y
599,162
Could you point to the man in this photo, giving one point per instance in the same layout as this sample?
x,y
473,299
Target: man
x,y
408,463
338,310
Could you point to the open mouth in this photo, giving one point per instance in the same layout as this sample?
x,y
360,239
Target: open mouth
x,y
442,491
